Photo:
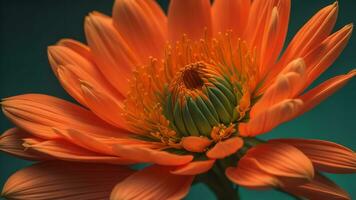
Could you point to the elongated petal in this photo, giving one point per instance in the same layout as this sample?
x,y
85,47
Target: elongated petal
x,y
63,180
113,55
247,175
308,37
74,64
38,114
324,90
189,17
195,143
143,154
287,85
272,117
11,141
77,47
326,53
274,35
62,150
155,182
143,25
320,188
105,106
230,15
326,156
194,168
225,148
281,160
262,18
102,145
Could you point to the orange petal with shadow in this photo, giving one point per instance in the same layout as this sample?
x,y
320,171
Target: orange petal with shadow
x,y
194,168
316,95
195,143
11,142
225,148
192,18
326,156
143,25
140,153
319,188
154,182
64,180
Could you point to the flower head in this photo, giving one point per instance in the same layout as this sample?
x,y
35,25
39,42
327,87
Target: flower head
x,y
187,93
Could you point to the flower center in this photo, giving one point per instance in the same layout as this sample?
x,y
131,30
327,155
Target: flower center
x,y
200,88
192,79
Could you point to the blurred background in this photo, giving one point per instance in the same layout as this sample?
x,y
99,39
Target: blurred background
x,y
28,27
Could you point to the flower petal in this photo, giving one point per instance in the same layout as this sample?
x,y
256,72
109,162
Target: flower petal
x,y
189,17
319,188
324,90
230,15
144,154
155,182
274,35
281,160
225,148
64,180
74,65
326,156
287,85
247,175
194,168
308,37
62,150
38,114
143,25
195,143
103,105
115,58
11,141
271,117
262,18
326,53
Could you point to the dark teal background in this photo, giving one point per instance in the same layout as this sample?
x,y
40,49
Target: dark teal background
x,y
29,26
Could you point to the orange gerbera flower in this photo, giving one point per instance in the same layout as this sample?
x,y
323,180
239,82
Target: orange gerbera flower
x,y
188,93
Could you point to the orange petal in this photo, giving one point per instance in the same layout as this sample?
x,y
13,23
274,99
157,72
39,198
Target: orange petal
x,y
189,17
144,154
287,85
271,117
324,90
248,175
71,67
62,150
100,144
105,106
230,15
319,188
274,35
11,142
64,180
194,168
326,53
281,160
308,37
259,17
143,25
326,156
195,143
38,114
225,148
154,182
77,47
115,58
